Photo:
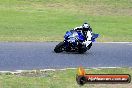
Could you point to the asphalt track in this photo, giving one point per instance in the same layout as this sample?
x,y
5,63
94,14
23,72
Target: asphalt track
x,y
40,55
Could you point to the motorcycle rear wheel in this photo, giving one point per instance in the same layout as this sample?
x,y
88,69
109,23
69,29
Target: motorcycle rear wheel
x,y
83,49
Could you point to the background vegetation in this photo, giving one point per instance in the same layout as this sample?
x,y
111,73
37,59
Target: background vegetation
x,y
48,20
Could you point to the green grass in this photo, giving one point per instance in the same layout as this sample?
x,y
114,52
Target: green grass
x,y
58,79
48,20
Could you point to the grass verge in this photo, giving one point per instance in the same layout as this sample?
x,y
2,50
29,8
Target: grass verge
x,y
58,79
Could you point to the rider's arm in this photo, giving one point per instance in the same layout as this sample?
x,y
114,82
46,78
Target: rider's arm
x,y
78,28
90,29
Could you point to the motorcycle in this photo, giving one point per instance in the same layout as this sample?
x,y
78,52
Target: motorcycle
x,y
74,42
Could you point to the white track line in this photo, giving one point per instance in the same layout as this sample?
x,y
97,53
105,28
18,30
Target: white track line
x,y
115,42
130,44
41,70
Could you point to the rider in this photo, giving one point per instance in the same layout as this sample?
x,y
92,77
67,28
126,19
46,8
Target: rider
x,y
86,31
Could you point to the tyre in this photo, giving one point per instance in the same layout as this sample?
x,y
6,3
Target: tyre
x,y
89,46
59,47
83,49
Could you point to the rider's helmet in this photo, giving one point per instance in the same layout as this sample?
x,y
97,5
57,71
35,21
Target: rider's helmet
x,y
85,26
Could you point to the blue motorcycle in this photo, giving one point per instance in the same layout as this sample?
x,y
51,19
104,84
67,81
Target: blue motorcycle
x,y
73,42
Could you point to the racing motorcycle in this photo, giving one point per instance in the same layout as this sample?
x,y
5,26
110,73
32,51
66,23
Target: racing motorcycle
x,y
74,42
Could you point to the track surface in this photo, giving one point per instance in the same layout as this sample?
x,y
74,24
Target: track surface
x,y
29,55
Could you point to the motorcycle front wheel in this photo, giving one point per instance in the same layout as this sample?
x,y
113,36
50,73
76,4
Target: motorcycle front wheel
x,y
59,47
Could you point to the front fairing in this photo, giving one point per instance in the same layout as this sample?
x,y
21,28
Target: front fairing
x,y
71,38
73,35
68,33
81,37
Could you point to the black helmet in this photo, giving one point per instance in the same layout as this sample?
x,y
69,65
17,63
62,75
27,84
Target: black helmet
x,y
85,26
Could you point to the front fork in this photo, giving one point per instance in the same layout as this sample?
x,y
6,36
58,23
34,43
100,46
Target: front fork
x,y
71,47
